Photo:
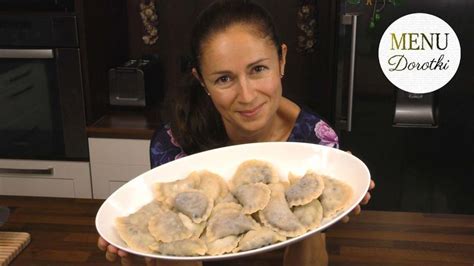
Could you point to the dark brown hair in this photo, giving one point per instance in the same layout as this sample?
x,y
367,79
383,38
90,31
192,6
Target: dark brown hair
x,y
195,122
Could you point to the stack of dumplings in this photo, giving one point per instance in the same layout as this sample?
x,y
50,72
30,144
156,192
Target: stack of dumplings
x,y
205,215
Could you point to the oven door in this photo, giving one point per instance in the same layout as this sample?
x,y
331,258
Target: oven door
x,y
41,102
37,5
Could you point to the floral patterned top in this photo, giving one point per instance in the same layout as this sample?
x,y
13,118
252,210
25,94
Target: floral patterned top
x,y
309,127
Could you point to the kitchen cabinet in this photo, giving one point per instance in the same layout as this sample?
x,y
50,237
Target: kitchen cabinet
x,y
115,161
45,178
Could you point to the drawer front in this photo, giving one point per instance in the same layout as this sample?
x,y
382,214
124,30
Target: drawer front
x,y
39,187
45,178
119,151
106,178
114,185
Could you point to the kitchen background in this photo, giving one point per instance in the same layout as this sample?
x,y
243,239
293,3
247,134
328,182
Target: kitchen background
x,y
420,168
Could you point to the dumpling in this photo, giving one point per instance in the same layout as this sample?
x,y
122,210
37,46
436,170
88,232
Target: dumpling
x,y
212,185
253,197
259,238
222,245
226,206
228,198
305,189
228,219
195,228
336,195
133,229
310,215
193,203
254,171
185,247
167,226
278,216
165,192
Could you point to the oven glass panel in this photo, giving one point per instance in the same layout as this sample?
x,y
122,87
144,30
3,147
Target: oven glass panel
x,y
30,123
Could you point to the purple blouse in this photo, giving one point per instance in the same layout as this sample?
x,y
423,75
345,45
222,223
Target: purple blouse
x,y
309,127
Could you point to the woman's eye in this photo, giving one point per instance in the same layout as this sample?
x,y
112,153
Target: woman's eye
x,y
223,79
259,69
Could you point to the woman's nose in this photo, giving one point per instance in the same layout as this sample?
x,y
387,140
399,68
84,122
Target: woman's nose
x,y
246,92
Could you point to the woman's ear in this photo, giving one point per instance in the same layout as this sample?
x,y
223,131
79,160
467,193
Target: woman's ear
x,y
197,76
284,49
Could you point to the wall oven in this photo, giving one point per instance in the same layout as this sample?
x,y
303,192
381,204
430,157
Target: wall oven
x,y
37,5
42,112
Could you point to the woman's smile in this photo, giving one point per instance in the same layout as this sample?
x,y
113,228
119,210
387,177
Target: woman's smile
x,y
251,112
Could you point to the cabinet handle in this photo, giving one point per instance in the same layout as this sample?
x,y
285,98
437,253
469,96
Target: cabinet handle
x,y
26,53
353,22
47,171
346,122
127,99
351,72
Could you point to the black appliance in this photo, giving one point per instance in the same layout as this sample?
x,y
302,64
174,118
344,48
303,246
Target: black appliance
x,y
418,147
41,92
4,213
37,5
135,83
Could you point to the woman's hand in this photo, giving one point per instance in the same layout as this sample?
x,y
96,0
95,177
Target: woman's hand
x,y
111,252
364,201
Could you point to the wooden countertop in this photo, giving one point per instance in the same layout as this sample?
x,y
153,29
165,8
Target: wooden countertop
x,y
137,124
63,233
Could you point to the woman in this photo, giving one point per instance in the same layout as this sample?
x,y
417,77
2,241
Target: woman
x,y
237,98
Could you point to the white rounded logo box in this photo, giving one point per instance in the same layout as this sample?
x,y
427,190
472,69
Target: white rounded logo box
x,y
419,53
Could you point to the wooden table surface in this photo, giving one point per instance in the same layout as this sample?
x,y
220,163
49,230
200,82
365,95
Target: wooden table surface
x,y
63,233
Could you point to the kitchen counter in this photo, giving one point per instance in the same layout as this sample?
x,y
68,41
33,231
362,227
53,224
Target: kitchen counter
x,y
63,233
137,124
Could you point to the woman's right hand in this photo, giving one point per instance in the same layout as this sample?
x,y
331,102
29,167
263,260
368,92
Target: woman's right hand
x,y
112,252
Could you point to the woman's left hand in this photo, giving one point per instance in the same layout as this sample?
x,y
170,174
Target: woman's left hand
x,y
364,201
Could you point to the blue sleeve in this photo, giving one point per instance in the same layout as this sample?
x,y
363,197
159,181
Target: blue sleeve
x,y
164,148
311,128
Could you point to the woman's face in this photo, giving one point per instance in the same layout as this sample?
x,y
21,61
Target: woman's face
x,y
242,73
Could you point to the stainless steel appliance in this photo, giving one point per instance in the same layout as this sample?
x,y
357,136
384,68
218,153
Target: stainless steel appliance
x,y
41,96
135,83
418,147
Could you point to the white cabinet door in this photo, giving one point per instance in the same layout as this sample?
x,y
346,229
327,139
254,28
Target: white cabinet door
x,y
116,161
45,178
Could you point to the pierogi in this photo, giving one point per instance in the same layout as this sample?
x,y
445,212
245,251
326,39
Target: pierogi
x,y
203,214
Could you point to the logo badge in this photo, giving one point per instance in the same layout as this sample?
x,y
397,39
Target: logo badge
x,y
419,53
